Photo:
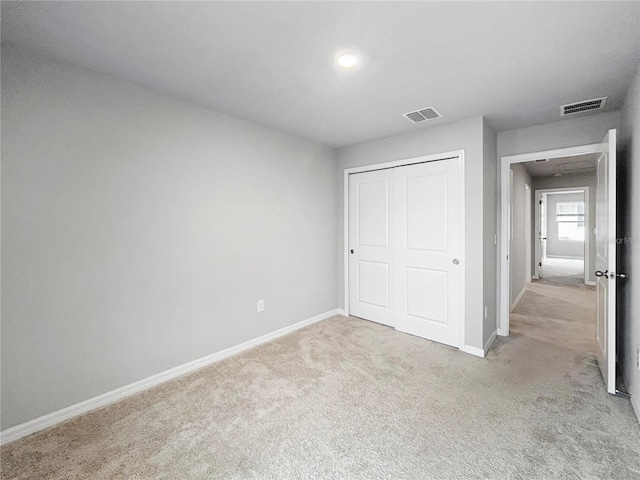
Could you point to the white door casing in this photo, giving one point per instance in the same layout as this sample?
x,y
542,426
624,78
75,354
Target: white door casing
x,y
606,261
543,226
541,196
539,234
428,243
371,245
527,233
505,223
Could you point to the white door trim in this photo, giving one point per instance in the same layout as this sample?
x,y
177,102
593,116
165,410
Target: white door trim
x,y
587,225
528,248
537,231
400,163
505,223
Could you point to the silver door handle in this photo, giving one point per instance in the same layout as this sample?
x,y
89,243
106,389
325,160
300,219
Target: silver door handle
x,y
456,261
621,275
600,273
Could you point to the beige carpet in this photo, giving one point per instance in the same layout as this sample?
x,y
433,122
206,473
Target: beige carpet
x,y
558,314
350,399
563,271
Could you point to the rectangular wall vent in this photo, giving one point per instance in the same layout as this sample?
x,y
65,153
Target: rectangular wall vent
x,y
585,106
428,113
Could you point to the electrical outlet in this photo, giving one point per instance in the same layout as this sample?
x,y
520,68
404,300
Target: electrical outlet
x,y
260,306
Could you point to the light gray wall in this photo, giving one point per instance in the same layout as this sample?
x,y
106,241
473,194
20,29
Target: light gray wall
x,y
575,180
467,135
518,254
555,246
489,181
570,132
138,232
629,243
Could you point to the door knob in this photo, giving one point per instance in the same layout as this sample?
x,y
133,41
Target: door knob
x,y
600,273
456,261
621,275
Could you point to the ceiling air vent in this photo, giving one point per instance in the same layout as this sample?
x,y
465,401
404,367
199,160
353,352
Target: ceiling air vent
x,y
423,114
585,106
578,166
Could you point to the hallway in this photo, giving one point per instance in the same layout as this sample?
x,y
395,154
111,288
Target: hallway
x,y
559,314
563,271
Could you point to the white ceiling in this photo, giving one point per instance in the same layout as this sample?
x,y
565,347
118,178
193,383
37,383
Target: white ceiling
x,y
272,62
563,166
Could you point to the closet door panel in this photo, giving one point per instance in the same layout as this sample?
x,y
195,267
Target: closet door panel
x,y
370,245
428,243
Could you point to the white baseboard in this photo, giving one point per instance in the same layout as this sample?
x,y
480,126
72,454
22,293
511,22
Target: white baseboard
x,y
54,418
481,352
489,342
635,399
503,332
341,312
478,352
635,402
518,298
593,284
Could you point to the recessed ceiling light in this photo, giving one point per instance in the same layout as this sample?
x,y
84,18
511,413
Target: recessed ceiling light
x,y
347,60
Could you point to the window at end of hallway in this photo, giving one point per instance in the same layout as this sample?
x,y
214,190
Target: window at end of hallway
x,y
570,218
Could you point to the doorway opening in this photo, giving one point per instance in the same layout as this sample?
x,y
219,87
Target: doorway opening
x,y
562,226
550,296
553,312
524,240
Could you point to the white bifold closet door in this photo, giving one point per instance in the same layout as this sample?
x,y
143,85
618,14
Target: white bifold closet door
x,y
371,242
405,248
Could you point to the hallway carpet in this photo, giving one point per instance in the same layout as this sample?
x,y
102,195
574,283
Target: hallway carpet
x,y
350,399
562,315
563,271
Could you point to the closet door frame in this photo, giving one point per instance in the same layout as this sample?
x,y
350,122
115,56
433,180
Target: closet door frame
x,y
401,163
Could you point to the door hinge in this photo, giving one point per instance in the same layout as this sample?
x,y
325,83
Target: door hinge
x,y
620,393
